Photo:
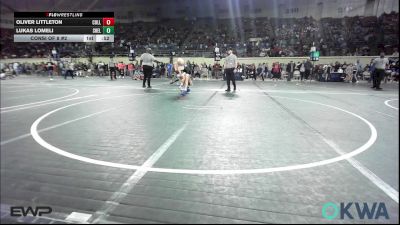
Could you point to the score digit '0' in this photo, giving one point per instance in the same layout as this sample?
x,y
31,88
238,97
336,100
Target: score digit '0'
x,y
108,21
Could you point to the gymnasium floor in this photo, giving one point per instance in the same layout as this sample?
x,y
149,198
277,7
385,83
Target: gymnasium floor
x,y
115,152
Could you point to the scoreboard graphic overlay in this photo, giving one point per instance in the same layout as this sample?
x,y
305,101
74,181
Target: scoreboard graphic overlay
x,y
64,26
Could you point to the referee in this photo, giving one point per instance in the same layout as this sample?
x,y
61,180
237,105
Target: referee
x,y
111,68
146,60
379,73
230,65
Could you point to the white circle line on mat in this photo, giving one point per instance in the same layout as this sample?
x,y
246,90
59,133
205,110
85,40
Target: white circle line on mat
x,y
364,147
49,100
389,100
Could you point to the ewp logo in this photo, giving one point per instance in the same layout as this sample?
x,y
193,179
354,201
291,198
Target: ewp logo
x,y
17,211
363,210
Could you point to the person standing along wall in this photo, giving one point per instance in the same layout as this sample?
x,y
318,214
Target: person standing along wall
x,y
50,69
290,69
276,72
169,70
263,71
121,69
359,70
349,73
70,70
131,70
302,70
308,67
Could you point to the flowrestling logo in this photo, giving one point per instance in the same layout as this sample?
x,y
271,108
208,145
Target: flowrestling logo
x,y
350,210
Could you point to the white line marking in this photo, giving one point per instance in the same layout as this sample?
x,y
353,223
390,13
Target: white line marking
x,y
130,183
33,103
391,192
48,103
78,217
353,153
55,126
387,103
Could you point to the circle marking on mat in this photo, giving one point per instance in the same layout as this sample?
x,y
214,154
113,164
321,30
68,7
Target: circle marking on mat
x,y
364,147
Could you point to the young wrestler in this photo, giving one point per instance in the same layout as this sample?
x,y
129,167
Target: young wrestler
x,y
184,78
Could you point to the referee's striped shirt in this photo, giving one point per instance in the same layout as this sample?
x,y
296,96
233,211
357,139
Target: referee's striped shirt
x,y
230,61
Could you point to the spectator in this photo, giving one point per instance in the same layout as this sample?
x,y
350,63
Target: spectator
x,y
279,37
131,70
276,72
290,70
358,67
70,70
302,70
308,67
50,69
349,73
395,53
